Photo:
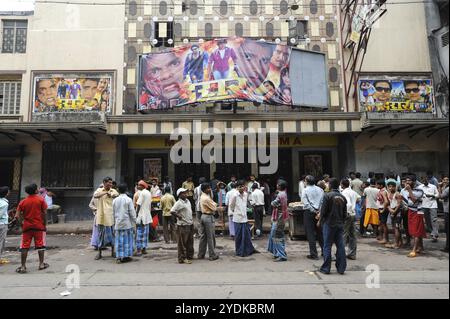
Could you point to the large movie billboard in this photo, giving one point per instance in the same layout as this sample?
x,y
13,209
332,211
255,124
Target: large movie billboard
x,y
221,69
396,95
72,92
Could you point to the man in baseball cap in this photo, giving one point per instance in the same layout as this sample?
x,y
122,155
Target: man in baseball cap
x,y
183,212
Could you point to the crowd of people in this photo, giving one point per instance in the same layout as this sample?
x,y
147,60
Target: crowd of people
x,y
332,209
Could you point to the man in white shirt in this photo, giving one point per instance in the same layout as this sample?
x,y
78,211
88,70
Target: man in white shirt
x,y
144,218
352,198
251,182
256,199
182,210
232,192
430,207
312,200
301,186
238,205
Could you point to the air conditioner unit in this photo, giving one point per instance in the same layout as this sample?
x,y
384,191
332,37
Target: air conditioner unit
x,y
442,47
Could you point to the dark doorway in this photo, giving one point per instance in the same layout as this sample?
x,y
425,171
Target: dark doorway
x,y
284,170
6,172
315,163
183,170
240,170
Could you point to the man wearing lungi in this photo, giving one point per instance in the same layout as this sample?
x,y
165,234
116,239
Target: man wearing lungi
x,y
104,218
144,218
125,221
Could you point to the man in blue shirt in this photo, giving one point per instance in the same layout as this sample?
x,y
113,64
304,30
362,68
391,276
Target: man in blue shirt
x,y
312,200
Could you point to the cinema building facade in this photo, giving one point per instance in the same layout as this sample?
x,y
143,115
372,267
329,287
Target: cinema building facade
x,y
119,130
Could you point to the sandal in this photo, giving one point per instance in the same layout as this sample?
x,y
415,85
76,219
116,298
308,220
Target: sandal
x,y
4,261
21,270
412,254
44,266
389,246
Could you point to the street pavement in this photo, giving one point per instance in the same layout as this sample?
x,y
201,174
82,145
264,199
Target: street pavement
x,y
158,275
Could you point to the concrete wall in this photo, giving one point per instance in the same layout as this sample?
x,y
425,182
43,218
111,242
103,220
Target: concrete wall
x,y
398,42
402,154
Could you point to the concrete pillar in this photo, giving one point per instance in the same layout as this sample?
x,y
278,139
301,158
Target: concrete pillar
x,y
295,170
346,154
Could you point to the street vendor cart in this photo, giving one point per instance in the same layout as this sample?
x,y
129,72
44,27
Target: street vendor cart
x,y
296,224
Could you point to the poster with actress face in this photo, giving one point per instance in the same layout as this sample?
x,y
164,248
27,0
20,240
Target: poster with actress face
x,y
222,69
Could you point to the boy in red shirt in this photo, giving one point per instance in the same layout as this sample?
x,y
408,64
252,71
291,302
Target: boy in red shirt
x,y
32,211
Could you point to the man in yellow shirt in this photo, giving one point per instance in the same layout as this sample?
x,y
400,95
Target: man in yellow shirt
x,y
207,232
104,218
188,184
167,202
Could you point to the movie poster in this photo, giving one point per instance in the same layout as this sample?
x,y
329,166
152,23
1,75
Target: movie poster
x,y
222,69
382,95
152,169
72,92
313,165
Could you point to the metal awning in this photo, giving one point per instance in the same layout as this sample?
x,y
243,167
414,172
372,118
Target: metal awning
x,y
397,123
74,130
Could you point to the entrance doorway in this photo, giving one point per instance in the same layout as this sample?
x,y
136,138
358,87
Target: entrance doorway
x,y
196,170
7,172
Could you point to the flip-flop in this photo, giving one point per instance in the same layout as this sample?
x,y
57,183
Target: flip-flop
x,y
412,254
21,270
45,266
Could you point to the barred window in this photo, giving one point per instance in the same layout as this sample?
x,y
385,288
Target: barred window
x,y
239,29
14,36
68,164
223,9
163,8
10,97
299,29
269,29
253,8
208,30
284,7
193,8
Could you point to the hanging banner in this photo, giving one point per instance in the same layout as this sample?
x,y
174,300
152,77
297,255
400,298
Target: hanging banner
x,y
72,92
396,95
222,69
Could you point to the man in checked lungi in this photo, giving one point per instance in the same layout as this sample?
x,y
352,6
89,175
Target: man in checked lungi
x,y
125,221
104,217
144,218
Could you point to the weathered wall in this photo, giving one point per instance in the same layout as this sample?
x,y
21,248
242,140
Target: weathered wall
x,y
402,154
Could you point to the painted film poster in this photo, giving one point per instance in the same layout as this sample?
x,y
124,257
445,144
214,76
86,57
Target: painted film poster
x,y
405,95
72,92
221,69
152,169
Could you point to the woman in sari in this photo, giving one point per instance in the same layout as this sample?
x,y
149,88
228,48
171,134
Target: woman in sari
x,y
277,245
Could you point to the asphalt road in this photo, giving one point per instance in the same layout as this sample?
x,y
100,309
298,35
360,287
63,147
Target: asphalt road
x,y
158,275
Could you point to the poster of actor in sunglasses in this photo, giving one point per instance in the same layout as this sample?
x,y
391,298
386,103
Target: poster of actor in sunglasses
x,y
406,95
72,92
